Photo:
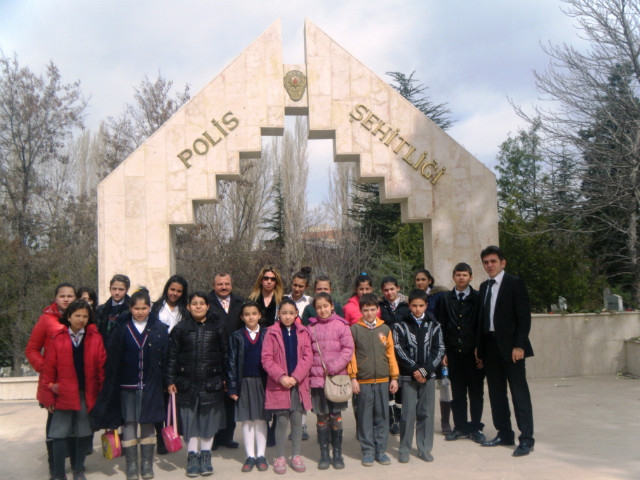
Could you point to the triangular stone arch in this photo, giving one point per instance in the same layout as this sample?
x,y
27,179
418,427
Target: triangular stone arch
x,y
436,180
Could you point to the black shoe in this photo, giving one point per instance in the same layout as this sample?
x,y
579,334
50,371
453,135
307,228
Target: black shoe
x,y
205,463
324,437
231,444
522,450
193,465
496,442
455,435
477,436
161,447
336,441
249,463
262,464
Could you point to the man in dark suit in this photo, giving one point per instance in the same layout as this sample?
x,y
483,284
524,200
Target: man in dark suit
x,y
503,345
226,306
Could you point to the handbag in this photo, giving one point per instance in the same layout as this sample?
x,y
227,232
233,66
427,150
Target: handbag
x,y
337,388
111,446
170,433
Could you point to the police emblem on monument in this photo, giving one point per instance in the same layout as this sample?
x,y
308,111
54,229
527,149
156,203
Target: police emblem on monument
x,y
295,82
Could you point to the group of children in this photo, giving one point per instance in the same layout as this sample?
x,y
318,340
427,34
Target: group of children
x,y
273,369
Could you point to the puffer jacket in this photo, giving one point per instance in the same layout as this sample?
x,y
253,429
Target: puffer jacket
x,y
336,345
197,361
235,364
39,341
59,368
274,361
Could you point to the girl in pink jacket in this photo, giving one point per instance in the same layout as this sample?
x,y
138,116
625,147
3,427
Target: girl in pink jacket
x,y
332,344
287,357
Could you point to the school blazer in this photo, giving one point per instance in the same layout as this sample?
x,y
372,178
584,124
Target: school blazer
x,y
511,318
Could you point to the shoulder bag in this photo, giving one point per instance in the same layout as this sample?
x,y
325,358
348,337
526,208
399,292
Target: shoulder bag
x,y
337,388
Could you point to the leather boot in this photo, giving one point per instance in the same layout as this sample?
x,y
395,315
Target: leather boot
x,y
336,441
131,455
146,465
323,439
445,412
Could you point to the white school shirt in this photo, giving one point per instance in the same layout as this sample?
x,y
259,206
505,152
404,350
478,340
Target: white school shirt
x,y
169,318
494,297
253,335
140,326
301,303
465,293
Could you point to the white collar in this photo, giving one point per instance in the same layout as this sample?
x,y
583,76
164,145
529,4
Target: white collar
x,y
466,291
77,335
227,298
498,278
114,303
257,330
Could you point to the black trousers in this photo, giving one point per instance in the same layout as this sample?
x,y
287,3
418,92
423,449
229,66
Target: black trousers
x,y
466,379
225,435
500,372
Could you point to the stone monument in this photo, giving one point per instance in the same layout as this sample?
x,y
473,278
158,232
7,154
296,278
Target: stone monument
x,y
436,181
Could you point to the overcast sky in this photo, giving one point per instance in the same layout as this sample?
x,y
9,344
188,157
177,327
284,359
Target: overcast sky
x,y
472,54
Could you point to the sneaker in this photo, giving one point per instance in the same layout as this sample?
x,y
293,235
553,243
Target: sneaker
x,y
249,463
404,458
79,476
280,465
297,464
477,436
305,435
426,456
383,459
262,464
193,465
367,461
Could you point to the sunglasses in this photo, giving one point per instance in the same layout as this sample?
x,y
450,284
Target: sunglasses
x,y
269,279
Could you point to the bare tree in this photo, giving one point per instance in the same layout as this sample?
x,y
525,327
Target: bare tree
x,y
590,130
152,108
295,170
37,117
337,201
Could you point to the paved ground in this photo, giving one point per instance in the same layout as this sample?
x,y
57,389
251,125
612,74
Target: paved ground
x,y
586,428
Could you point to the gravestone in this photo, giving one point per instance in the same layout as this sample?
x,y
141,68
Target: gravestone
x,y
613,303
562,303
437,182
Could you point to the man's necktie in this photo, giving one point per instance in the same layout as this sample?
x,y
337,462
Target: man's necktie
x,y
487,306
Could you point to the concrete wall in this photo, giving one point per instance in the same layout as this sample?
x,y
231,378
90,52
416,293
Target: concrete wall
x,y
580,344
18,388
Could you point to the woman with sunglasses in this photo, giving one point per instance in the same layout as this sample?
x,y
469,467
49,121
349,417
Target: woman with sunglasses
x,y
268,292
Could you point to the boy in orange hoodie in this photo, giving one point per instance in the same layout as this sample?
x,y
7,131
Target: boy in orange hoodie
x,y
374,373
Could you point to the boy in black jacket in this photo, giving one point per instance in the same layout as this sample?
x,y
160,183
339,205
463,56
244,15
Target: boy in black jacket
x,y
419,350
458,313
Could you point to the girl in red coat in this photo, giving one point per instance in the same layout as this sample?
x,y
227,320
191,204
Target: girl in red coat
x,y
48,324
72,379
287,358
